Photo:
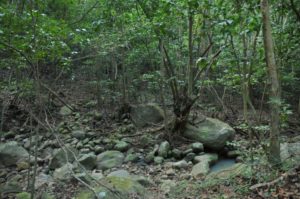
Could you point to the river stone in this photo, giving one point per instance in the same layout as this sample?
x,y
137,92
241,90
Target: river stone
x,y
65,111
131,158
233,154
150,157
23,165
63,173
97,174
197,147
11,153
182,164
122,146
210,158
164,149
190,157
79,134
200,169
109,159
12,185
119,173
176,153
79,145
125,187
146,114
187,151
203,163
88,161
158,160
98,149
211,132
59,158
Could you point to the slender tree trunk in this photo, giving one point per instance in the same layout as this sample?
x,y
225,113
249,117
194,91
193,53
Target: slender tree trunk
x,y
190,65
299,106
274,150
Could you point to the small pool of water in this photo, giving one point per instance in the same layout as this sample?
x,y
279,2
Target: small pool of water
x,y
222,164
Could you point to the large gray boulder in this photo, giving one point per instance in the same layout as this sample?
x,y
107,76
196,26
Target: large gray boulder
x,y
11,153
146,114
212,133
109,159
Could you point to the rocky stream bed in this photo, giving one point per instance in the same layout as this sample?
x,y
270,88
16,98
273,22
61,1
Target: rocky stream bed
x,y
75,160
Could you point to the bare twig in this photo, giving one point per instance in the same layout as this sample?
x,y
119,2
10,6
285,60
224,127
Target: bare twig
x,y
57,96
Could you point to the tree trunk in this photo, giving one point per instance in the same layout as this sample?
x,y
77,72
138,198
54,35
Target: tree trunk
x,y
274,150
299,106
190,65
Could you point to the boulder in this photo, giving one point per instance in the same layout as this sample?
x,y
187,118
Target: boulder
x,y
211,132
79,134
124,187
197,147
200,169
11,153
177,154
88,161
190,157
60,157
164,149
109,159
122,146
146,114
132,158
119,173
182,164
203,162
63,173
158,160
150,157
12,185
97,174
210,158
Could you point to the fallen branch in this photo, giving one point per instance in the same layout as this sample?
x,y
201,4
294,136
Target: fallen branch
x,y
267,184
281,178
